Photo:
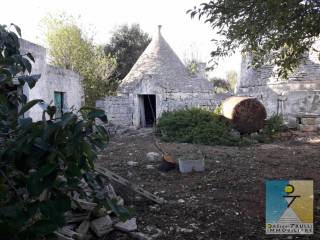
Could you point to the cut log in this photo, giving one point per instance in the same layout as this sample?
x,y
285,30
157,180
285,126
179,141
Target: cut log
x,y
246,114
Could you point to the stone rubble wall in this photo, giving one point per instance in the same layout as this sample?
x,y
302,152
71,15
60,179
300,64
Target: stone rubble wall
x,y
308,70
124,109
118,109
174,101
296,97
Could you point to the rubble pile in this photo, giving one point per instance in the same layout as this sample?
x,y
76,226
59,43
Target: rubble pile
x,y
88,221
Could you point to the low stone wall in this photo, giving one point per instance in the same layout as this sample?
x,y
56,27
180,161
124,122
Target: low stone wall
x,y
289,99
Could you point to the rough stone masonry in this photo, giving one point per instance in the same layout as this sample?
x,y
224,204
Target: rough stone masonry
x,y
161,75
297,98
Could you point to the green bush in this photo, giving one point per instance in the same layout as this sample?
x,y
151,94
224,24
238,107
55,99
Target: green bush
x,y
196,126
43,163
273,124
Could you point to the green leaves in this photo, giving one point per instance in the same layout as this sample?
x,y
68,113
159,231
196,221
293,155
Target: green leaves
x,y
30,80
30,56
29,105
195,126
17,29
42,162
289,29
70,47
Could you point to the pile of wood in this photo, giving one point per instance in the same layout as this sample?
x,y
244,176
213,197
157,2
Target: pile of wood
x,y
88,221
246,114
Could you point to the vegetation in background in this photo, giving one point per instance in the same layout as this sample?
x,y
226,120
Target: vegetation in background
x,y
273,125
192,60
72,48
290,27
42,163
196,126
192,66
232,77
220,85
126,45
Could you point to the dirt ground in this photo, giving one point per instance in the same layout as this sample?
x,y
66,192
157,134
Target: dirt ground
x,y
227,201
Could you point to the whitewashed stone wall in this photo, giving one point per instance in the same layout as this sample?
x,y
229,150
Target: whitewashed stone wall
x,y
118,109
52,79
295,97
159,72
124,109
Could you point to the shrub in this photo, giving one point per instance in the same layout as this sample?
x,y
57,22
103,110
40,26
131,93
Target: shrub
x,y
196,126
273,124
42,163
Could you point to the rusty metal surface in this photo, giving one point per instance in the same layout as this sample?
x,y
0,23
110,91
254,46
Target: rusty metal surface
x,y
245,113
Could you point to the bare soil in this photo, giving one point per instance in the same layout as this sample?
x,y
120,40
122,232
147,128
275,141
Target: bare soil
x,y
227,201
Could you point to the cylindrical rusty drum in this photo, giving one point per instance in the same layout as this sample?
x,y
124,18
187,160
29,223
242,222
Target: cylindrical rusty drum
x,y
246,114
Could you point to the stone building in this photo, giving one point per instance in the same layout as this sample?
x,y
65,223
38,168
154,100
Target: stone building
x,y
60,86
158,82
297,98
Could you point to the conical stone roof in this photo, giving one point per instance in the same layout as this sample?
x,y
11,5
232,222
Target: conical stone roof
x,y
160,65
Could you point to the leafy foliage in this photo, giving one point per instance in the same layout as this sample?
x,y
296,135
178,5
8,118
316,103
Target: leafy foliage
x,y
273,124
193,67
290,27
71,48
42,163
192,60
232,77
220,85
126,45
12,63
196,126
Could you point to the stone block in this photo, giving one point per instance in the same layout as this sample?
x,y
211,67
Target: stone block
x,y
186,166
127,226
308,120
153,156
101,226
83,227
308,128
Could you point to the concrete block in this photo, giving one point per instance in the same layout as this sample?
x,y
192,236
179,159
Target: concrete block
x,y
101,226
186,166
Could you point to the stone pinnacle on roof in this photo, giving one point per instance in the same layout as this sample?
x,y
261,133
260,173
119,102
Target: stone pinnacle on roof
x,y
159,29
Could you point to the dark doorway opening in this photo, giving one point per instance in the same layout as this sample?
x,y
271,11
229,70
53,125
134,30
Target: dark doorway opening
x,y
148,114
